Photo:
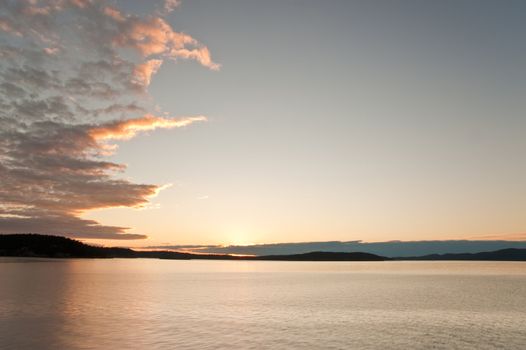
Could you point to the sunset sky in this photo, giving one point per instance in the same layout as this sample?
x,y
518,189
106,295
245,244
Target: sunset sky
x,y
144,123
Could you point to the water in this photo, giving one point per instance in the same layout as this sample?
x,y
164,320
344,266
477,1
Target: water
x,y
161,304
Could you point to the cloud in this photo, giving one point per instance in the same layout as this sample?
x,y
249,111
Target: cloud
x,y
144,71
171,5
389,249
508,237
68,88
154,36
126,129
52,172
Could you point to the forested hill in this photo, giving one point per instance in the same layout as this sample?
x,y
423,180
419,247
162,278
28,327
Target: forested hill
x,y
47,246
511,254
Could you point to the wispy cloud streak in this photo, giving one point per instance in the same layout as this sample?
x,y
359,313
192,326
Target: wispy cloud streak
x,y
68,87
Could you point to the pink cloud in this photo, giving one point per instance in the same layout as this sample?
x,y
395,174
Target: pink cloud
x,y
154,36
144,71
171,5
126,129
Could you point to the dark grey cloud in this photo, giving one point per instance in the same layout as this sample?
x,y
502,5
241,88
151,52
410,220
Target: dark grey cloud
x,y
66,90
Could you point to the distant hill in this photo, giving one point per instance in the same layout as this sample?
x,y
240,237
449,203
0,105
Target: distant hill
x,y
511,254
47,246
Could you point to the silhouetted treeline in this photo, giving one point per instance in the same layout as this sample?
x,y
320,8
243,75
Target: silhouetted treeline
x,y
34,245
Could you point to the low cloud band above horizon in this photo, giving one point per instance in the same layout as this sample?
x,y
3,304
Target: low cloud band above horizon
x,y
387,249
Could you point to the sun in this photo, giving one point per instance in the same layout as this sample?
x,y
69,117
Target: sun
x,y
239,238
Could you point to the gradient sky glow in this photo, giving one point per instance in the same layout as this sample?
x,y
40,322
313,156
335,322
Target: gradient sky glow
x,y
334,120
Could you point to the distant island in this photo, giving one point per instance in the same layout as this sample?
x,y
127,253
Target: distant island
x,y
48,246
511,254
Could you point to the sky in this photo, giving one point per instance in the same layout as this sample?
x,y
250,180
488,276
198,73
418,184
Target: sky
x,y
241,122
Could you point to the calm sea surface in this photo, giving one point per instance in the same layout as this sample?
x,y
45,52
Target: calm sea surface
x,y
168,304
